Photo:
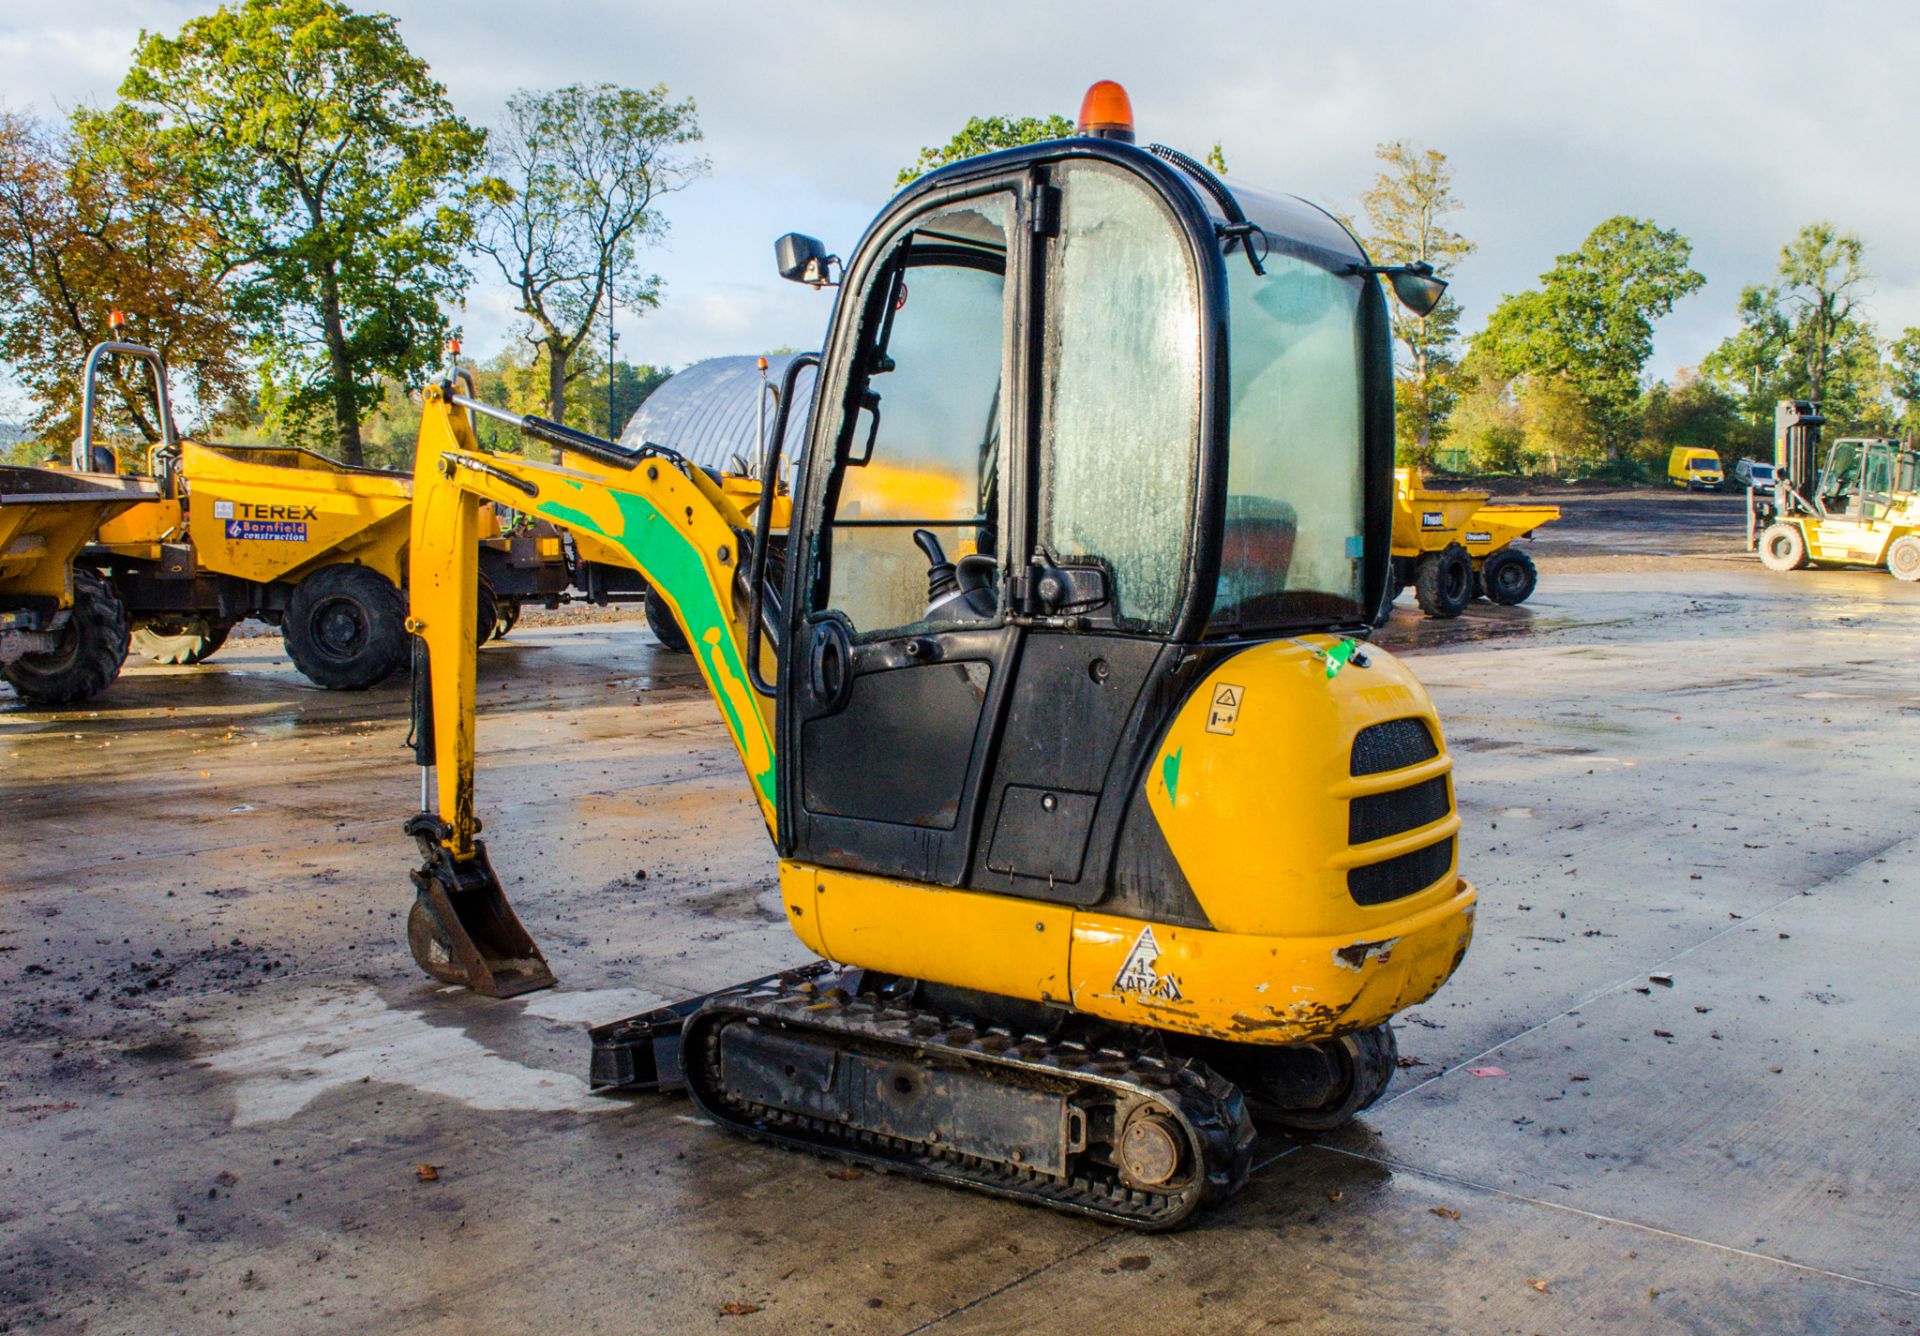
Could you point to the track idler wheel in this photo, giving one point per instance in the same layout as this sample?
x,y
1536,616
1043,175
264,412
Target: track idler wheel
x,y
1314,1087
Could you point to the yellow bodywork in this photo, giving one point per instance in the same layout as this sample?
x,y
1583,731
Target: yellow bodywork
x,y
267,513
677,530
1843,541
47,516
1255,807
1291,955
1427,520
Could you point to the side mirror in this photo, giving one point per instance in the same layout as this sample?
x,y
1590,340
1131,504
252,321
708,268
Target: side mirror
x,y
802,259
1416,287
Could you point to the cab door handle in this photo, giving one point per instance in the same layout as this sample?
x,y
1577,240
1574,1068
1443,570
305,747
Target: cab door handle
x,y
830,666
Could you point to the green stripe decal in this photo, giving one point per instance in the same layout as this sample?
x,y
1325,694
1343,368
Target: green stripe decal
x,y
671,564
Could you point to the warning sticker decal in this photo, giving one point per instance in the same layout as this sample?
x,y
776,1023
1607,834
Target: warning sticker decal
x,y
271,531
223,510
1138,975
1225,708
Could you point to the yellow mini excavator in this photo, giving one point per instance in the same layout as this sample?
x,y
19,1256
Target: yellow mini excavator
x,y
1053,694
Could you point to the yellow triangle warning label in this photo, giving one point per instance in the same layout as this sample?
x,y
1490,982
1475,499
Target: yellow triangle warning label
x,y
1223,712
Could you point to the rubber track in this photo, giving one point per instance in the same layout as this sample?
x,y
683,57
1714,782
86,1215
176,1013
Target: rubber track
x,y
1208,1107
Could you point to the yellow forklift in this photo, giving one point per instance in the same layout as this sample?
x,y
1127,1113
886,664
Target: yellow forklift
x,y
312,546
1858,507
1079,770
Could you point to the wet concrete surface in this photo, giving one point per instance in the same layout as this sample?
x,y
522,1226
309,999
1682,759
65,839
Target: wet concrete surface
x,y
1672,1088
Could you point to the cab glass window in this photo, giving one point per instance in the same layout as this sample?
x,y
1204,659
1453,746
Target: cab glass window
x,y
1296,436
1120,416
921,449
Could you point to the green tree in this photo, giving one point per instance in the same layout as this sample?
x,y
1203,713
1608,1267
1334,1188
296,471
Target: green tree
x,y
1807,336
1590,322
85,230
329,164
1407,210
1751,363
1903,378
986,134
1822,278
575,183
1692,411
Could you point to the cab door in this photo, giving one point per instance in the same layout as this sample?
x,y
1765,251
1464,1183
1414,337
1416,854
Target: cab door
x,y
901,652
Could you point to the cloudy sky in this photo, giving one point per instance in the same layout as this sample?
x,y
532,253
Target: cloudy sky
x,y
1734,123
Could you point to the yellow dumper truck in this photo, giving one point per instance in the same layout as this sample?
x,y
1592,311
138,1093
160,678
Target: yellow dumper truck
x,y
1453,547
315,547
63,630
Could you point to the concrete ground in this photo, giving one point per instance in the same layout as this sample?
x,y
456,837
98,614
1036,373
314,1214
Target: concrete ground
x,y
1674,1087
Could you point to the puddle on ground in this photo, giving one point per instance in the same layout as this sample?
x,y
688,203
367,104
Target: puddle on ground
x,y
284,1054
591,1006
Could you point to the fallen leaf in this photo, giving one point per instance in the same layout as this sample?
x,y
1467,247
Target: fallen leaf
x,y
428,1173
845,1175
1486,1071
1137,1262
1444,1212
736,1308
1578,1076
1540,1285
1664,980
1663,1034
1335,1194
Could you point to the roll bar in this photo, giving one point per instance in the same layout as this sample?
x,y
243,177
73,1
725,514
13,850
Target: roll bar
x,y
156,367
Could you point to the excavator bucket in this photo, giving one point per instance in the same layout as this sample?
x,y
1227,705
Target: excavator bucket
x,y
462,930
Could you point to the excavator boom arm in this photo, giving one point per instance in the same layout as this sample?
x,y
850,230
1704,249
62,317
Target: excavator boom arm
x,y
675,526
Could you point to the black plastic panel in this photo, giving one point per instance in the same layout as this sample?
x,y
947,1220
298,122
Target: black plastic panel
x,y
1042,833
1148,881
898,752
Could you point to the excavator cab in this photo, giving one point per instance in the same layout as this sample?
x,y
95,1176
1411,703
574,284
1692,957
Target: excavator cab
x,y
1027,394
1105,822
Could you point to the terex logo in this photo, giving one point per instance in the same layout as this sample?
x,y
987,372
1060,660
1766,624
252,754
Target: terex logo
x,y
253,512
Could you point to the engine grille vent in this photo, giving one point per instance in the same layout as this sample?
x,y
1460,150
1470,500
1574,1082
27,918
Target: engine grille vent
x,y
1396,878
1379,815
1393,745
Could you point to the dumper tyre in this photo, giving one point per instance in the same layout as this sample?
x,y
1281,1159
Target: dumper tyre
x,y
1783,547
661,621
1903,558
508,616
1443,582
1509,577
194,640
486,614
92,647
346,628
1365,1060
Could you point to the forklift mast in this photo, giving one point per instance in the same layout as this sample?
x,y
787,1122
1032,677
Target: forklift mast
x,y
1796,444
